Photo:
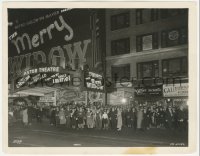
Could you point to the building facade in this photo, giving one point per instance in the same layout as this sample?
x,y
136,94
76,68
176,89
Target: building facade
x,y
51,51
145,44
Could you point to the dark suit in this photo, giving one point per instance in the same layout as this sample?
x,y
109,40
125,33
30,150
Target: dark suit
x,y
169,117
113,119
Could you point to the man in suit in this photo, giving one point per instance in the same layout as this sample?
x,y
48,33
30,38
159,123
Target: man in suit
x,y
181,118
113,118
169,117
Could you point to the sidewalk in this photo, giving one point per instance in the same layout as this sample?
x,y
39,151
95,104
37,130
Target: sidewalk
x,y
157,136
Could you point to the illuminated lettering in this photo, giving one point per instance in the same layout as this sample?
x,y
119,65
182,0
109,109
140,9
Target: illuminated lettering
x,y
21,39
15,64
35,38
79,49
64,25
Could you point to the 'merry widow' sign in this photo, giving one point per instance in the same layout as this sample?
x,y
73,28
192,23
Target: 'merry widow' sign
x,y
60,40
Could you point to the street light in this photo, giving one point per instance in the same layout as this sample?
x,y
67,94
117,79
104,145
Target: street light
x,y
124,100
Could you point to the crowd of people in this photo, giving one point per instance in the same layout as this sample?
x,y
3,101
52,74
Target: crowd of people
x,y
107,118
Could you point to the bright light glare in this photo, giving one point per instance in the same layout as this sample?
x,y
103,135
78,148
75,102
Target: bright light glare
x,y
123,100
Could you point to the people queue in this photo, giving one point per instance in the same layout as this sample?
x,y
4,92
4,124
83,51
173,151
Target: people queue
x,y
117,118
105,118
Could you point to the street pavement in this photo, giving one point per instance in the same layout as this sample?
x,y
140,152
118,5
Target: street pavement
x,y
45,135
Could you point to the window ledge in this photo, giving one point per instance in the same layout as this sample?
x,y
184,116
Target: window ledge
x,y
147,52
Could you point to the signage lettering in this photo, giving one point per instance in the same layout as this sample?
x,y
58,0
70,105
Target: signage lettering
x,y
175,90
42,70
62,78
43,75
15,64
38,39
148,91
93,81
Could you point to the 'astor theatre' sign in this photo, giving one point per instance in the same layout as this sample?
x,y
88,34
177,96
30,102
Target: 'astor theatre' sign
x,y
47,76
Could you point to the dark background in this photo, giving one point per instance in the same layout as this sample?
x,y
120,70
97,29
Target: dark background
x,y
77,19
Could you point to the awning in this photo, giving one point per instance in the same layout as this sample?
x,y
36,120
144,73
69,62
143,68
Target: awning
x,y
37,91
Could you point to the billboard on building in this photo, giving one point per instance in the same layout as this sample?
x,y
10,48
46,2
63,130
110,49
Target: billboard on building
x,y
175,90
148,91
93,81
50,36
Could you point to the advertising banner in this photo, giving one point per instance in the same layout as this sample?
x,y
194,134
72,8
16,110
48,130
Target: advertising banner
x,y
93,81
43,76
65,96
94,97
46,99
175,90
148,92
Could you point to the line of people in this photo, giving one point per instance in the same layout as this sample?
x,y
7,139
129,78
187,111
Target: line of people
x,y
116,118
105,118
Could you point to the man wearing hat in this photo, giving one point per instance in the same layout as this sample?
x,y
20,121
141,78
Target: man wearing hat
x,y
169,117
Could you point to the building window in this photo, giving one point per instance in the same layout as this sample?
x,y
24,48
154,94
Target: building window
x,y
146,15
119,47
120,21
166,13
120,72
147,69
147,42
175,67
174,37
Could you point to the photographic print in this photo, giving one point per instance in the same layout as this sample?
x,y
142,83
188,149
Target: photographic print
x,y
99,77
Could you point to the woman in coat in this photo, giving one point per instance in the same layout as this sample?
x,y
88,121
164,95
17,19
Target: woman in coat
x,y
53,116
119,119
98,119
80,118
68,117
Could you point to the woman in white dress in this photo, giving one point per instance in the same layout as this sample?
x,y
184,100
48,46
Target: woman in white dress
x,y
119,119
25,116
62,118
139,118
